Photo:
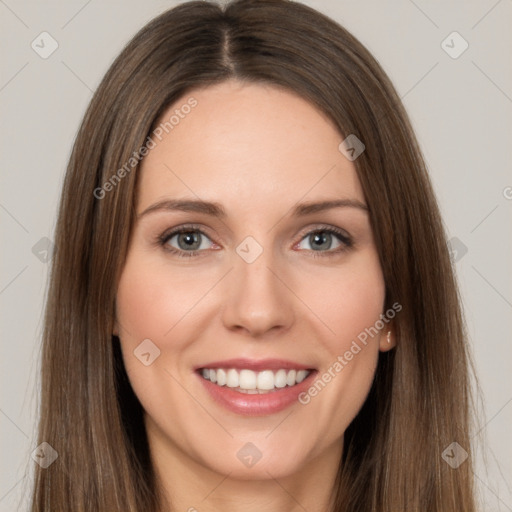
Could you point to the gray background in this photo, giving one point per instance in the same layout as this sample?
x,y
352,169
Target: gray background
x,y
460,108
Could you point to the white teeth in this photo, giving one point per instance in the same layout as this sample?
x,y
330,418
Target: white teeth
x,y
247,379
232,379
221,377
301,375
250,382
290,378
280,379
266,380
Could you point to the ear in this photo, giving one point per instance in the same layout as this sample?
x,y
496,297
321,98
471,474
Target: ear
x,y
387,339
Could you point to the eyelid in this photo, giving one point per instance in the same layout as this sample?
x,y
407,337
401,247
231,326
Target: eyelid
x,y
185,228
324,227
344,237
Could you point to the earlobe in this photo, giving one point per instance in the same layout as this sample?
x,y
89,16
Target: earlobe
x,y
387,340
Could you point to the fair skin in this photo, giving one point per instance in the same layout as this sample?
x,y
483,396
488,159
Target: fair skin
x,y
258,151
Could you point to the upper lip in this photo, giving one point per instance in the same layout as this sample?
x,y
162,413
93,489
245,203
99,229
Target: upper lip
x,y
255,364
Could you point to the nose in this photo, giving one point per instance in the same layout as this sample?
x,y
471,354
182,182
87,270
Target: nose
x,y
257,300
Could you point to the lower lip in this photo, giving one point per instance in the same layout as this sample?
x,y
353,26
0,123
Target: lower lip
x,y
256,405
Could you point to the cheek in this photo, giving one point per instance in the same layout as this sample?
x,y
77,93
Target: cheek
x,y
350,305
348,300
151,300
154,303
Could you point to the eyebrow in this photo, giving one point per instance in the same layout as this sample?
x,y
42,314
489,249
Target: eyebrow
x,y
217,210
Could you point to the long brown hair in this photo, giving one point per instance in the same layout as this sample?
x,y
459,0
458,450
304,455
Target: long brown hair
x,y
420,399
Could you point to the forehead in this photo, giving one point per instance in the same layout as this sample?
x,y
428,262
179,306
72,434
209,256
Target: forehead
x,y
249,146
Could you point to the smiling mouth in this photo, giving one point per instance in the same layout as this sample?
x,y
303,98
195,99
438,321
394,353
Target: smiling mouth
x,y
252,382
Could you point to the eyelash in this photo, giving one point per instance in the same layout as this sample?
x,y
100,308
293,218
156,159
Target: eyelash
x,y
166,236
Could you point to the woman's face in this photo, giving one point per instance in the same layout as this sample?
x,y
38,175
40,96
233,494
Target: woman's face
x,y
263,293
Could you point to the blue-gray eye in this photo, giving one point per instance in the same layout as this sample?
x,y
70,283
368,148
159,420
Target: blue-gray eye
x,y
323,240
188,240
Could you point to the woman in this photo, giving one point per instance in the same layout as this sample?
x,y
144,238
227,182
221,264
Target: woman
x,y
252,305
